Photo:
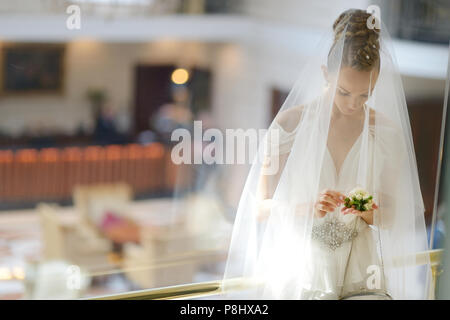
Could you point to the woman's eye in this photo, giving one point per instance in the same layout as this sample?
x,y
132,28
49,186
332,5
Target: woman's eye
x,y
343,93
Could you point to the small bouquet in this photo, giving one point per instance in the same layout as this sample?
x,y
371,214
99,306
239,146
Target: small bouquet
x,y
360,199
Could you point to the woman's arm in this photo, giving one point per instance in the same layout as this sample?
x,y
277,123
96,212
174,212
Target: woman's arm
x,y
287,121
267,186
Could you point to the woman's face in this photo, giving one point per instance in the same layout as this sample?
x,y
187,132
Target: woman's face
x,y
352,89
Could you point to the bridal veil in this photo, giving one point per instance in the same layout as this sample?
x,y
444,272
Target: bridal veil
x,y
280,249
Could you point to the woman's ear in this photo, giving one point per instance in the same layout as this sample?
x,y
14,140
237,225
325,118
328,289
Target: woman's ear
x,y
325,73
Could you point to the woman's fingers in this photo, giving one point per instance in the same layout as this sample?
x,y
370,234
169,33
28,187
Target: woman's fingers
x,y
321,214
330,200
342,196
346,210
352,210
334,194
324,207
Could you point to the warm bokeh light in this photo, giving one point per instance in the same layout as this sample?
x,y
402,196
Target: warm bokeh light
x,y
5,274
18,273
180,76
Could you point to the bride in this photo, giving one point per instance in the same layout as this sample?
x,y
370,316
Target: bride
x,y
343,125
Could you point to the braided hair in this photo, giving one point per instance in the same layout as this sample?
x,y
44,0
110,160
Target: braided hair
x,y
361,44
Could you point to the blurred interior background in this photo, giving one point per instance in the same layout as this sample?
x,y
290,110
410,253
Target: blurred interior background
x,y
91,203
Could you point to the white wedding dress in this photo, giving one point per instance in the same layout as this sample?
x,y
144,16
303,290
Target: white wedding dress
x,y
340,258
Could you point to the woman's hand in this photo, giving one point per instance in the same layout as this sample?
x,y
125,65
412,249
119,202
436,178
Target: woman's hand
x,y
367,216
327,201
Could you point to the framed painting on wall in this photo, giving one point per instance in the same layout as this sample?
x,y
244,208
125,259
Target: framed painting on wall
x,y
32,68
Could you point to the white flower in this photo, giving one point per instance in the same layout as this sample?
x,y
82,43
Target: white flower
x,y
360,194
356,191
368,206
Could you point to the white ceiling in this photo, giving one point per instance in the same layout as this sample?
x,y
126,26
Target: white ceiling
x,y
414,58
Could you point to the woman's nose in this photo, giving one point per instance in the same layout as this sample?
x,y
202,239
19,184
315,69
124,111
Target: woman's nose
x,y
353,105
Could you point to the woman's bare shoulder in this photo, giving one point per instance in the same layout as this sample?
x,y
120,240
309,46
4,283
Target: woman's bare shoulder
x,y
388,130
372,116
290,118
381,117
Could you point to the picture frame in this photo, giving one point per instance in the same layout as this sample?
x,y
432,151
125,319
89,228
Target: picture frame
x,y
32,68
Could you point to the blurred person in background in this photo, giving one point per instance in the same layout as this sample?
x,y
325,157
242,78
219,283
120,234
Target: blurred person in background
x,y
174,115
105,131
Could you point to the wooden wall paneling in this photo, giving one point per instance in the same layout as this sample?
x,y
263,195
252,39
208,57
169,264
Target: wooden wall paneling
x,y
426,117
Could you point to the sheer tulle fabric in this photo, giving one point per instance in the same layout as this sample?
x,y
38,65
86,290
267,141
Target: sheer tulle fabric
x,y
278,256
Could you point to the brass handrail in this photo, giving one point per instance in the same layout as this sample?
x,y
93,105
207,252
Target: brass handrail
x,y
436,269
192,290
209,288
172,292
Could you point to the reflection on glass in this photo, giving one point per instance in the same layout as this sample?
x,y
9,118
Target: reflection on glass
x,y
442,215
92,202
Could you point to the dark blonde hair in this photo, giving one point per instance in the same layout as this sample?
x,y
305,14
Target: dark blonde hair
x,y
361,44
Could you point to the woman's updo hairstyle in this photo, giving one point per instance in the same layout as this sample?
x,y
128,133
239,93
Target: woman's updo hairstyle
x,y
361,44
